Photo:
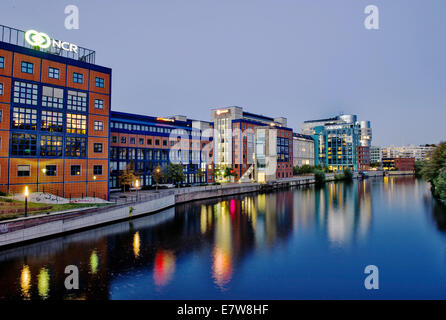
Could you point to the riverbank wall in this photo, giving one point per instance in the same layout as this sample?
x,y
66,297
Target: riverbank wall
x,y
41,226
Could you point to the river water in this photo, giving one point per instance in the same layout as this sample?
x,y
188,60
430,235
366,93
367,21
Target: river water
x,y
300,243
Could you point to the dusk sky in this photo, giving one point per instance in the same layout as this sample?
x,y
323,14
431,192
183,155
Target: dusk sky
x,y
301,59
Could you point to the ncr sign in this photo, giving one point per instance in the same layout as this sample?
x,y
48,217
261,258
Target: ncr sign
x,y
42,40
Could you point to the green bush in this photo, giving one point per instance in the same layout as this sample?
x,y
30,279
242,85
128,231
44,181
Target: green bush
x,y
319,177
439,185
348,174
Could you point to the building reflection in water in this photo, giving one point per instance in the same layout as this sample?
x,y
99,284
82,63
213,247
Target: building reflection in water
x,y
164,267
43,283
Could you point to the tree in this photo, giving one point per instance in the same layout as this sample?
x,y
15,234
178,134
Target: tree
x,y
434,171
348,174
319,177
157,175
128,176
175,173
229,173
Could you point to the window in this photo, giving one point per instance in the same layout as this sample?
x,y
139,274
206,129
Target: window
x,y
99,104
76,123
77,101
114,139
157,142
141,140
123,140
78,77
24,118
24,144
53,73
149,141
2,62
25,93
1,89
51,146
99,126
27,67
51,121
97,147
97,170
50,170
132,140
1,115
76,170
99,82
52,97
23,171
164,142
75,147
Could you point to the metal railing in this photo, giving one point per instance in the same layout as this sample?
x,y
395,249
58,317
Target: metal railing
x,y
17,37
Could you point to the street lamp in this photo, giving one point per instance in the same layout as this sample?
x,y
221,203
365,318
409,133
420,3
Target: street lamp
x,y
26,193
94,192
137,188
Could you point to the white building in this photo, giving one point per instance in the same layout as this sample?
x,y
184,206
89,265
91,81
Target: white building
x,y
303,150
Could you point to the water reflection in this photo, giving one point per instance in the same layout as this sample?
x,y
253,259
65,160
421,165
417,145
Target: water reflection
x,y
213,246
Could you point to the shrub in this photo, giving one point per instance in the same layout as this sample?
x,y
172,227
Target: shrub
x,y
348,174
319,177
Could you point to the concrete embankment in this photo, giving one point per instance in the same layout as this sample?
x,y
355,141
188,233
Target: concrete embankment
x,y
36,227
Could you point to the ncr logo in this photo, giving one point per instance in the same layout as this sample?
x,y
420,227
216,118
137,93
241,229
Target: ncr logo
x,y
42,40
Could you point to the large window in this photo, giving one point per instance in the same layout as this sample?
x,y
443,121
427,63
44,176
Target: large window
x,y
97,147
78,77
76,123
75,147
99,104
97,170
23,170
77,101
99,82
25,93
99,126
27,67
51,121
51,146
75,170
52,97
24,144
53,73
2,62
24,118
50,170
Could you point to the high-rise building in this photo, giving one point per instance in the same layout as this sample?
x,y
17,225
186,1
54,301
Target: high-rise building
x,y
234,141
54,116
337,140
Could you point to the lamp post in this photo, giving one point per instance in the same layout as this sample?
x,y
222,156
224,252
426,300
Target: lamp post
x,y
44,173
137,188
94,192
26,193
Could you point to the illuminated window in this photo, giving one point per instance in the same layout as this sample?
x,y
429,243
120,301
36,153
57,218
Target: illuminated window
x,y
77,101
23,170
75,170
25,93
97,147
99,82
27,67
24,118
78,77
51,121
76,123
51,146
97,170
75,147
52,97
53,73
50,170
99,104
99,126
2,62
24,144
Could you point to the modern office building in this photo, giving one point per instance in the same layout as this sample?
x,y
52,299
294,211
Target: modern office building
x,y
303,150
420,153
234,142
153,141
337,140
54,116
375,154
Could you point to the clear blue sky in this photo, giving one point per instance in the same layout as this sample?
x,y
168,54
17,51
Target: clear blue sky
x,y
301,59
